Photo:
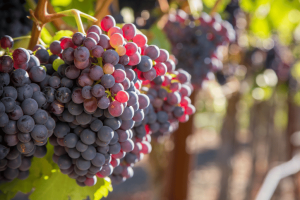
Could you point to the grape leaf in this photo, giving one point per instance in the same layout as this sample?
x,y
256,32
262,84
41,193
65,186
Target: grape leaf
x,y
96,192
86,6
55,187
61,2
49,183
159,38
39,168
62,33
103,191
210,4
61,187
7,196
46,36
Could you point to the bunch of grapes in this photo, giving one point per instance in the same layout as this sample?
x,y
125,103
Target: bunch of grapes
x,y
96,99
280,59
195,42
25,124
169,96
13,18
170,104
93,88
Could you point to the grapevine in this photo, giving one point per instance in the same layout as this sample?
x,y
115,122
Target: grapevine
x,y
196,42
88,94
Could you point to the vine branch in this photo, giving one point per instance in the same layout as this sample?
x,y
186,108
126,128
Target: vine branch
x,y
59,23
40,17
164,5
100,12
214,9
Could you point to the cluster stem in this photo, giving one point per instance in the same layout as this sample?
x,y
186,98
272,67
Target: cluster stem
x,y
40,17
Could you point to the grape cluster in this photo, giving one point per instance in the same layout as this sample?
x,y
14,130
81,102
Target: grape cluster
x,y
195,42
169,96
93,88
280,59
93,91
13,18
142,146
25,124
170,104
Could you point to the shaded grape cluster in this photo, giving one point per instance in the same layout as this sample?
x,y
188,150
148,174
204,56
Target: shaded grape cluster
x,y
13,18
195,42
169,105
25,124
280,59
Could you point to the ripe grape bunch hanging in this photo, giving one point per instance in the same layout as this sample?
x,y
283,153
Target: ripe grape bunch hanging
x,y
88,95
196,41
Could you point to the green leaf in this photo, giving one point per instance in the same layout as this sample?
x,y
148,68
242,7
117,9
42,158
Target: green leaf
x,y
96,192
39,168
60,2
86,6
46,36
7,196
50,184
61,187
247,5
62,33
210,4
159,38
265,17
260,27
56,187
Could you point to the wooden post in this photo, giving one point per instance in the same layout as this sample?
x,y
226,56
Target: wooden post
x,y
180,164
292,127
227,150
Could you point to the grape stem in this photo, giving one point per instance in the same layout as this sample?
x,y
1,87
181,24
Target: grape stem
x,y
32,5
77,15
29,37
101,11
40,17
59,24
164,5
214,9
109,94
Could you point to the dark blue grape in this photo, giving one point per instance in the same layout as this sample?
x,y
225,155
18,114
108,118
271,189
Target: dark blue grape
x,y
89,153
145,64
105,134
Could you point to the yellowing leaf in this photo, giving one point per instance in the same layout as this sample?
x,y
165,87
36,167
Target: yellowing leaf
x,y
46,36
60,2
159,39
61,187
39,168
260,27
62,33
56,187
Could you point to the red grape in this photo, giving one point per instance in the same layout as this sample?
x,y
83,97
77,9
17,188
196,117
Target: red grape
x,y
131,48
129,31
107,22
122,96
119,75
140,40
115,108
114,30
